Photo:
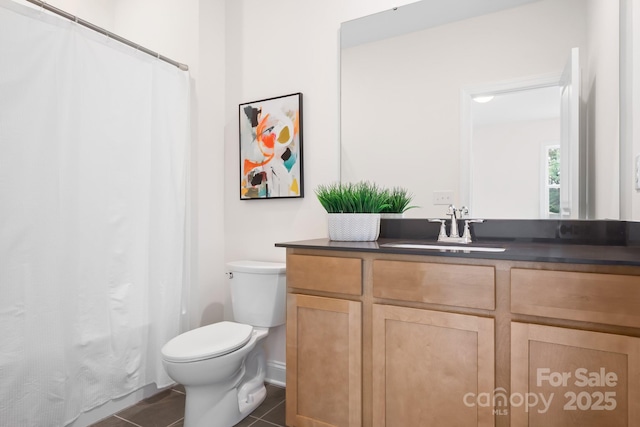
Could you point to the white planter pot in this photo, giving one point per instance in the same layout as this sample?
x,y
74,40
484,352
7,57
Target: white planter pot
x,y
354,227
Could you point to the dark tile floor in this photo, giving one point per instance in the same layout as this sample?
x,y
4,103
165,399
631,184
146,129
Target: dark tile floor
x,y
166,409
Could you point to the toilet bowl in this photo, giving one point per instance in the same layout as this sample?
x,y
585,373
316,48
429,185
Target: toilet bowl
x,y
222,366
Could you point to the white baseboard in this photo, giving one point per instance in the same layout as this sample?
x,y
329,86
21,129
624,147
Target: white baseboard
x,y
276,373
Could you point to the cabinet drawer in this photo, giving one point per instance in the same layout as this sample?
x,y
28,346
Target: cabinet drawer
x,y
324,273
457,285
591,297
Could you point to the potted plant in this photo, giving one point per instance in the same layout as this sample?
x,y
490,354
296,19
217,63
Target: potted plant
x,y
354,209
398,202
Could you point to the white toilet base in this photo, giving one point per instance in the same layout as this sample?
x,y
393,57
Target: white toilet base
x,y
224,404
226,412
255,399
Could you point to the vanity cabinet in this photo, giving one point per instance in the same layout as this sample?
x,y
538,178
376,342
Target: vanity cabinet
x,y
324,362
612,299
339,275
471,286
324,342
379,339
572,378
424,362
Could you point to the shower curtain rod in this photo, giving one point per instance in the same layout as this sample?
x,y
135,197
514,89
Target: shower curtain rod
x,y
107,33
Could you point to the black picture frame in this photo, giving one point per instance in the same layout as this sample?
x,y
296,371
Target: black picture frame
x,y
270,136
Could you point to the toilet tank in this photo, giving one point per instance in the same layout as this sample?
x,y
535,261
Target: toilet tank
x,y
258,292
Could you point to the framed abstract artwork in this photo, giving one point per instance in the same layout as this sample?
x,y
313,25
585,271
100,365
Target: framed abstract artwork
x,y
271,148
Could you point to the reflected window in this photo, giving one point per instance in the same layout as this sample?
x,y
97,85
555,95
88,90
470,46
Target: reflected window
x,y
551,178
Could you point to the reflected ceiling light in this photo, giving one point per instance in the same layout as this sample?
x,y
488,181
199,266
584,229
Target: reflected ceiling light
x,y
482,99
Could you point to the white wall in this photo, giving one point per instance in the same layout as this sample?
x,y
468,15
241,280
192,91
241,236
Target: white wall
x,y
635,116
515,151
275,48
98,12
630,109
601,93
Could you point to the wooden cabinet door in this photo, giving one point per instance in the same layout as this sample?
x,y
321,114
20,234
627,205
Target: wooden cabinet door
x,y
324,362
572,378
430,367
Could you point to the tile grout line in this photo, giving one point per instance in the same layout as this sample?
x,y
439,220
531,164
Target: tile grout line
x,y
273,407
255,420
127,421
176,422
178,391
268,422
269,411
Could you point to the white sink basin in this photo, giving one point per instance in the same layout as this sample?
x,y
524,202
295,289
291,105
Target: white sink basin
x,y
463,248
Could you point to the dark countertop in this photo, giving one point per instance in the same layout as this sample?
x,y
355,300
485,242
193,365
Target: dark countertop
x,y
515,251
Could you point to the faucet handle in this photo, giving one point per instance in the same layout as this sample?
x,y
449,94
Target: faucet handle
x,y
467,230
443,230
473,220
463,211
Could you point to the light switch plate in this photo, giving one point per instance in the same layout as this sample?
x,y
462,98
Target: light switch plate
x,y
443,197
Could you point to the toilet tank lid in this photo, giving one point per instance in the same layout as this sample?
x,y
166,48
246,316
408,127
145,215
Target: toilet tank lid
x,y
257,267
206,342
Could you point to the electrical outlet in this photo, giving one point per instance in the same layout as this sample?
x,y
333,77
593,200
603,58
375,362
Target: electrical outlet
x,y
443,197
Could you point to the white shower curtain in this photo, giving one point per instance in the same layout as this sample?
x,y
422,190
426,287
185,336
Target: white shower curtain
x,y
93,195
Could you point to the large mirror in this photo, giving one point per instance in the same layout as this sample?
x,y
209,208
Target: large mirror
x,y
509,107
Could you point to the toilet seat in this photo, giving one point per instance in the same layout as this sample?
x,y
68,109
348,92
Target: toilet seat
x,y
207,342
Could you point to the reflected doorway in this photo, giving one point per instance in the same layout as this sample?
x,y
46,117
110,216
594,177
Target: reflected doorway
x,y
515,139
521,144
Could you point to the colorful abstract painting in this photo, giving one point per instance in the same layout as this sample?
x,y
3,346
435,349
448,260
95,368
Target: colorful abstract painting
x,y
271,148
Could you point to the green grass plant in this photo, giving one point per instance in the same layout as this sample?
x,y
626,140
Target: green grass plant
x,y
360,197
398,200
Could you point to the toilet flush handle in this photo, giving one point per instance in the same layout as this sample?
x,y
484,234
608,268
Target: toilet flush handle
x,y
230,274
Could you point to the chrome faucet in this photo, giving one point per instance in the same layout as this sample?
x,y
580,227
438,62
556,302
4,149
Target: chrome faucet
x,y
453,213
454,234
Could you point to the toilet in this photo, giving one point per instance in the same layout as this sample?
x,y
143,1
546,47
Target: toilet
x,y
222,366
